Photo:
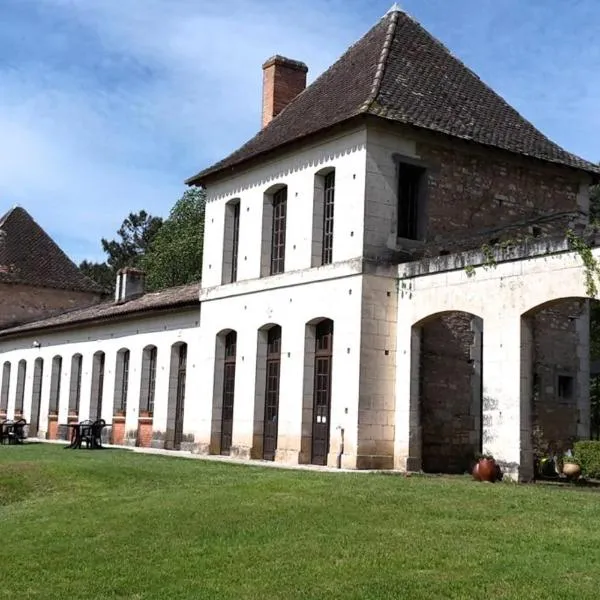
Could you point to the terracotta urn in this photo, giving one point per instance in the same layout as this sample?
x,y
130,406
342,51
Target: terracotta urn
x,y
571,470
486,469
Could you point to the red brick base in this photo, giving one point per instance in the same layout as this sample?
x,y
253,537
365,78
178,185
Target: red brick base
x,y
144,433
118,430
52,427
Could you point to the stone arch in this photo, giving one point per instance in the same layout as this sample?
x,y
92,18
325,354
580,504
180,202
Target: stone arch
x,y
446,394
147,396
558,374
20,392
97,394
176,398
4,390
266,392
36,397
223,391
317,387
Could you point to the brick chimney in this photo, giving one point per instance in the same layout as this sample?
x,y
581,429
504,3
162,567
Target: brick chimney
x,y
130,284
283,80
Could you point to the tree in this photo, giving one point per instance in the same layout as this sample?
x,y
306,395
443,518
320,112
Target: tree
x,y
136,234
101,273
175,254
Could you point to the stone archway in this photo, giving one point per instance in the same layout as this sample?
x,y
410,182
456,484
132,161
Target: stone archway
x,y
446,403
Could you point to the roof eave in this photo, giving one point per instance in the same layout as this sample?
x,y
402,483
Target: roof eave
x,y
11,333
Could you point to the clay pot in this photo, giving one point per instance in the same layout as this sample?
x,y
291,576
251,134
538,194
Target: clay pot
x,y
486,470
571,470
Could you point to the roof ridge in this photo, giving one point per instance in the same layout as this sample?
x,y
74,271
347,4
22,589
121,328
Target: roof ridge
x,y
383,57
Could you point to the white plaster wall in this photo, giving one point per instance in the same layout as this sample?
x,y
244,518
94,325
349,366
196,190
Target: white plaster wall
x,y
135,334
291,307
346,153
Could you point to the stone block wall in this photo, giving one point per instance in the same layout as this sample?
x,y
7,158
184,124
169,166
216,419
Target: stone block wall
x,y
24,303
450,393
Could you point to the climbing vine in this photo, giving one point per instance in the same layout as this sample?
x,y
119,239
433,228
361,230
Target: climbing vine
x,y
590,264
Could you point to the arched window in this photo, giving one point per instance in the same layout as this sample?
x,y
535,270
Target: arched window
x,y
274,231
121,382
75,384
97,385
20,398
148,382
231,241
5,387
323,212
55,380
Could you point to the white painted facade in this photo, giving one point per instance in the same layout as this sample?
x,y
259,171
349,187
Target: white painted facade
x,y
375,309
133,334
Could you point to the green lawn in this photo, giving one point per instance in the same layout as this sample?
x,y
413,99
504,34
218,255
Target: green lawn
x,y
115,524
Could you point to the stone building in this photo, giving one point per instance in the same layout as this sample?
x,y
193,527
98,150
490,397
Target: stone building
x,y
369,258
37,279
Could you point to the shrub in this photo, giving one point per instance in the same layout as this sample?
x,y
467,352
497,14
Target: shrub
x,y
588,455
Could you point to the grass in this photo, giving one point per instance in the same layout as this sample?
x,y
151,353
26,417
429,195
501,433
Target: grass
x,y
116,524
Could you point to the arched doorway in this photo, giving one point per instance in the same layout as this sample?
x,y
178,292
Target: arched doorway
x,y
36,397
175,407
446,408
97,385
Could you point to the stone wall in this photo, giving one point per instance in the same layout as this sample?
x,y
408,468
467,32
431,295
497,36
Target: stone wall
x,y
23,303
450,406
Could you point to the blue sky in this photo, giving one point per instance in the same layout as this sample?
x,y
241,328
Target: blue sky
x,y
106,106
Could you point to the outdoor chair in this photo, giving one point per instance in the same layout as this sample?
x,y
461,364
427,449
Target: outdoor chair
x,y
4,431
16,434
92,435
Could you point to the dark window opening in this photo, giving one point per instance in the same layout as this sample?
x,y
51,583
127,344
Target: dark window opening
x,y
151,379
272,392
566,385
235,241
228,392
278,232
410,181
329,197
124,381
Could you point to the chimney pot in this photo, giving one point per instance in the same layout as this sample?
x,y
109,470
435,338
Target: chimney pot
x,y
283,79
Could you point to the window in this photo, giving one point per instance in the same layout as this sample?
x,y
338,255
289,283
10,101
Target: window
x,y
5,387
55,378
278,231
75,392
20,399
235,241
151,379
566,385
231,241
410,182
328,203
124,381
228,392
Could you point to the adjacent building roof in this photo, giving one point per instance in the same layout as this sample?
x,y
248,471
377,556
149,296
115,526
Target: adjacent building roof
x,y
175,297
400,72
28,255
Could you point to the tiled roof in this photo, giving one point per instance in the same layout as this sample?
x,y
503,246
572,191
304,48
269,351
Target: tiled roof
x,y
28,255
399,72
185,295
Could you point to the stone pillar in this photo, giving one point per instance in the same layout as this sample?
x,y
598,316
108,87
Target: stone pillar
x,y
582,327
507,380
243,404
408,442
